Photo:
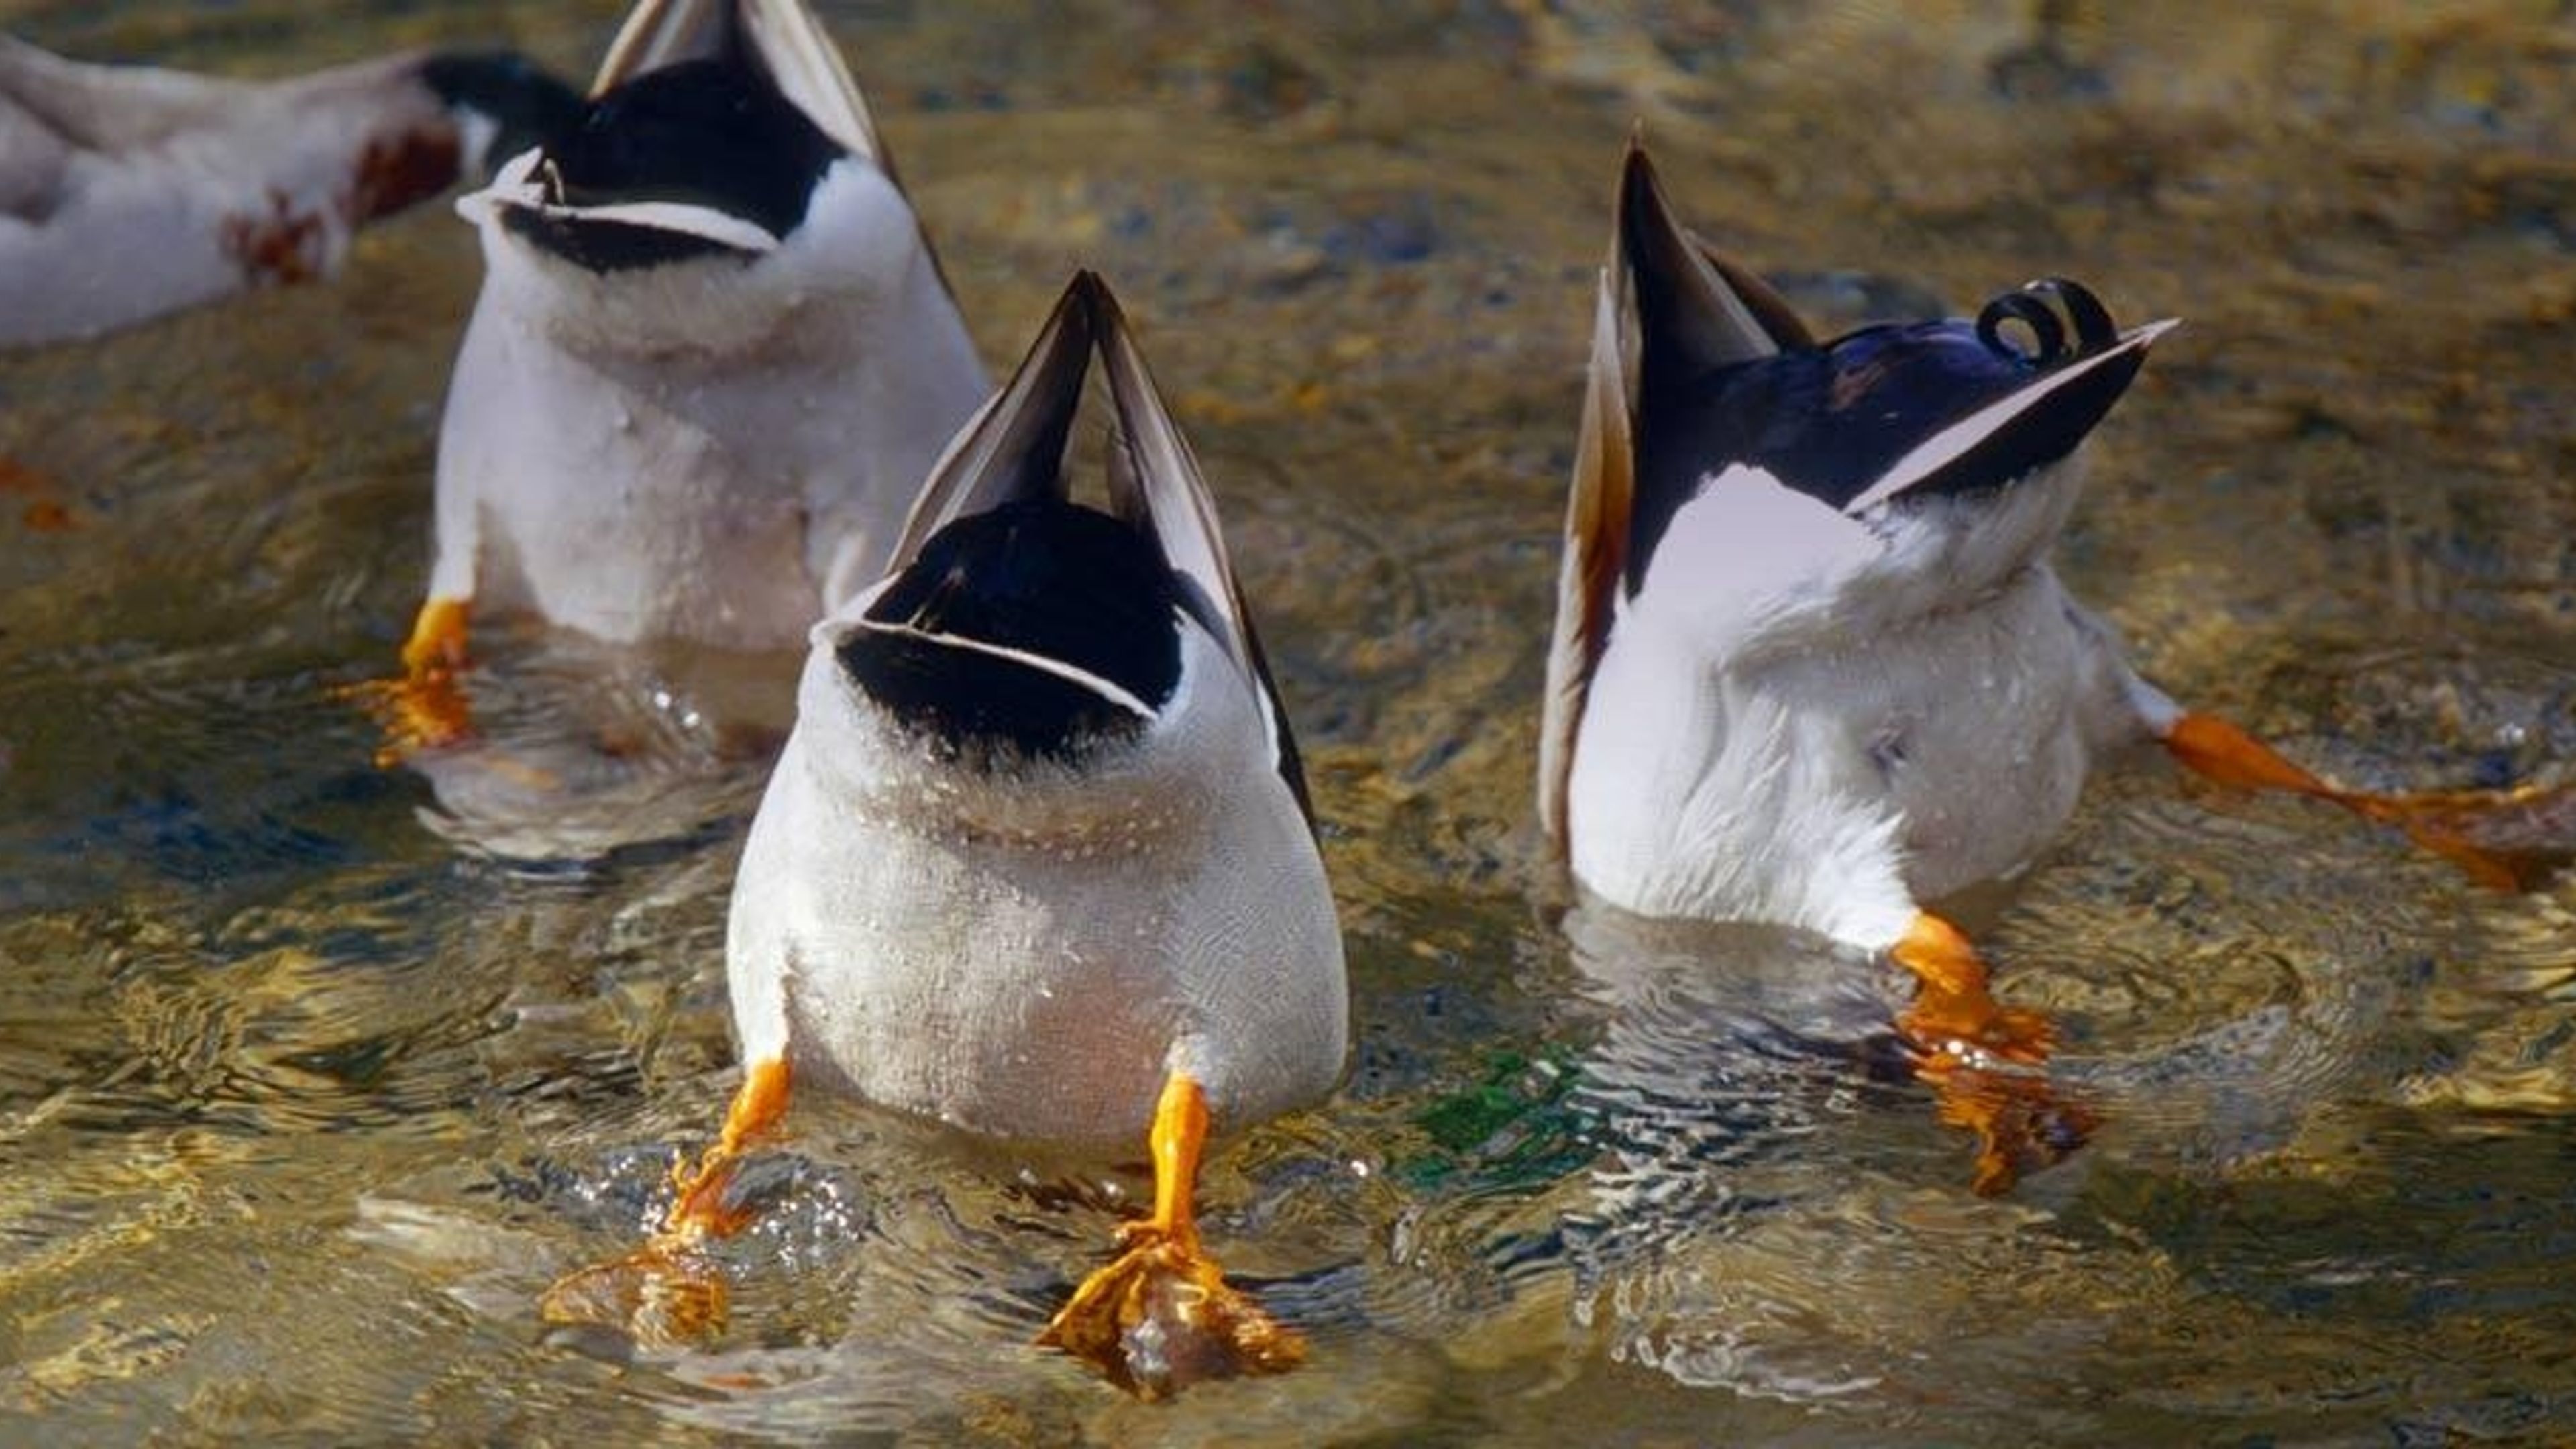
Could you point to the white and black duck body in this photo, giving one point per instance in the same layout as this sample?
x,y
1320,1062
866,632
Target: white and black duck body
x,y
713,356
127,192
1824,671
1038,840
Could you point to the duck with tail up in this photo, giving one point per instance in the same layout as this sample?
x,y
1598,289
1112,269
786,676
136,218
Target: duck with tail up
x,y
712,357
1037,863
1811,665
128,192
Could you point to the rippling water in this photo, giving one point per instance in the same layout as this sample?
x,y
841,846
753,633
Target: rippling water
x,y
313,1076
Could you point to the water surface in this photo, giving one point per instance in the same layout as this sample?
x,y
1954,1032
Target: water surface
x,y
309,1083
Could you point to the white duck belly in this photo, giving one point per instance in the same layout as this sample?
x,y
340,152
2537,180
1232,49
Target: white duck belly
x,y
617,511
1030,956
1834,788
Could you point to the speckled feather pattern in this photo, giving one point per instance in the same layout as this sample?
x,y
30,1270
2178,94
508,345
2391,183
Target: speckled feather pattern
x,y
1026,954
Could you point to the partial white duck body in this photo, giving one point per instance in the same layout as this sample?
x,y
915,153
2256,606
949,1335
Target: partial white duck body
x,y
1035,863
127,192
954,904
714,355
1888,737
1812,666
1031,954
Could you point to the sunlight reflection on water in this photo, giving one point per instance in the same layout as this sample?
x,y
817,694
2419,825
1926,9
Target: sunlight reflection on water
x,y
312,1076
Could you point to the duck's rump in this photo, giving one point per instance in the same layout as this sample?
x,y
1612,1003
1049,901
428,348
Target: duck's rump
x,y
1041,985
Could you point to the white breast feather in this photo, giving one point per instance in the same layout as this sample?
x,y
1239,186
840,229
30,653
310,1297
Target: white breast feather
x,y
1822,720
1028,956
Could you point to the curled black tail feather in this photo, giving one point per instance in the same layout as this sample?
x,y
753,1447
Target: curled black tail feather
x,y
2047,307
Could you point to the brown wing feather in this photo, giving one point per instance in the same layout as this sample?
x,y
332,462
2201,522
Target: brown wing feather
x,y
1155,478
1711,312
1013,447
1768,307
1597,513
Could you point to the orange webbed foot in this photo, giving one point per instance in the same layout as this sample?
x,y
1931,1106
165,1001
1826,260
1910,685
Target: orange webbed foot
x,y
2505,839
426,708
1978,1055
669,1292
2020,1122
1953,1011
1161,1316
665,1294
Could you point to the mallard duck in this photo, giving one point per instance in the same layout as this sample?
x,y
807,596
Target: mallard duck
x,y
129,191
712,358
1036,861
1811,665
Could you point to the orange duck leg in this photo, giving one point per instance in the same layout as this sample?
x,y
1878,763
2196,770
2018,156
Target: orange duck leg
x,y
1162,1315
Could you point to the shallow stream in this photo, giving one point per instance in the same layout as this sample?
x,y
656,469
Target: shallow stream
x,y
310,1083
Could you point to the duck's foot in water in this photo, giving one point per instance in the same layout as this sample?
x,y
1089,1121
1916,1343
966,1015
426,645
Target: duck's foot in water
x,y
2509,840
2020,1121
424,711
1162,1317
663,1295
669,1293
1979,1057
426,708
